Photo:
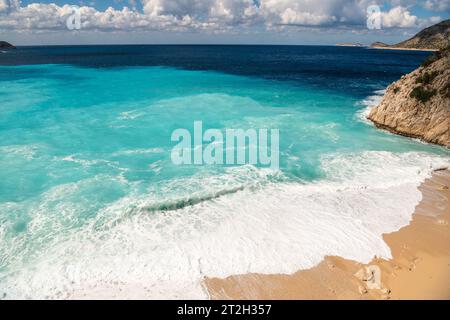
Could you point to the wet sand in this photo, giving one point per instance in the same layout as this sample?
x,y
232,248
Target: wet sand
x,y
420,268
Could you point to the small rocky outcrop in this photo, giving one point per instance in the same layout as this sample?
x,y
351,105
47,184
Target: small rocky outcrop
x,y
379,44
349,44
6,45
418,105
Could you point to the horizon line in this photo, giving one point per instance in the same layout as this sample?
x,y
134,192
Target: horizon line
x,y
190,44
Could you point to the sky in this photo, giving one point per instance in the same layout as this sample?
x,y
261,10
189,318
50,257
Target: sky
x,y
308,22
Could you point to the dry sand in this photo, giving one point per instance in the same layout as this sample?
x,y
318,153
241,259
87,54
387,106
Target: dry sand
x,y
420,268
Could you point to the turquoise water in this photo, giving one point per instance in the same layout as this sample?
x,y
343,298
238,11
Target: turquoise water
x,y
90,201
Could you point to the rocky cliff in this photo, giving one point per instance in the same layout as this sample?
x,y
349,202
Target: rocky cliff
x,y
436,37
418,105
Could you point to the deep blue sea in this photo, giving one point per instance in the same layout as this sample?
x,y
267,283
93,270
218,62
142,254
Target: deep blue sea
x,y
91,204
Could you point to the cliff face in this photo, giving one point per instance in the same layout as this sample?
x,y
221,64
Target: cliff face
x,y
418,105
436,37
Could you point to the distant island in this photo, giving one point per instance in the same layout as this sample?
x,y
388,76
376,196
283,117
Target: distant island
x,y
6,45
434,38
349,44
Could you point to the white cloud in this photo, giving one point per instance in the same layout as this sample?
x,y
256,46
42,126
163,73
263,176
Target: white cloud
x,y
437,5
398,17
290,16
211,15
226,11
337,13
9,5
38,16
434,20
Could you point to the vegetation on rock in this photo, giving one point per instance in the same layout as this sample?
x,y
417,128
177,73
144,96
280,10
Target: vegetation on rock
x,y
421,94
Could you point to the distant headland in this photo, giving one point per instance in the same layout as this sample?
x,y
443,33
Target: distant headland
x,y
434,38
6,45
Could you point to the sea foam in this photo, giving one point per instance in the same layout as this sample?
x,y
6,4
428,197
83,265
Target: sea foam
x,y
265,228
93,207
367,105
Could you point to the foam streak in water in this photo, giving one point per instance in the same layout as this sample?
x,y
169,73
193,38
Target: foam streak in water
x,y
279,228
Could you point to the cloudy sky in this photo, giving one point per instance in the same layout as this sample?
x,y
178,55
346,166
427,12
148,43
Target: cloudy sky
x,y
216,21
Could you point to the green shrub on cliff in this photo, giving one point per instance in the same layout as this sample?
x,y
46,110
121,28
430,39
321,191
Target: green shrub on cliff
x,y
427,77
421,94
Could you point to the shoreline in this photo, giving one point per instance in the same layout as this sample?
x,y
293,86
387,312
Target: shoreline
x,y
419,268
404,49
402,133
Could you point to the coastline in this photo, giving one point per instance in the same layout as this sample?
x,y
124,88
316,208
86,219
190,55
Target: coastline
x,y
419,268
404,49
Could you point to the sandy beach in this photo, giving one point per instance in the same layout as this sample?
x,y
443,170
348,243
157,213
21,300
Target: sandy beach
x,y
419,268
